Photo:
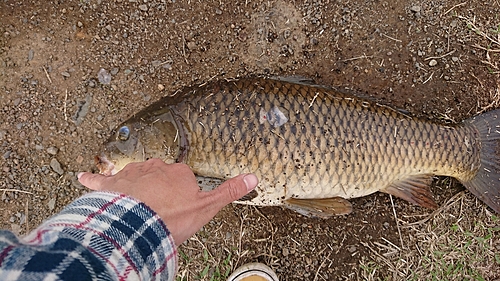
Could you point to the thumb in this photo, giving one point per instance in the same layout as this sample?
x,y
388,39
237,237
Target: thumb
x,y
233,189
92,181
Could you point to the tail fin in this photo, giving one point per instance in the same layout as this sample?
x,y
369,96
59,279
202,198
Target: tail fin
x,y
486,184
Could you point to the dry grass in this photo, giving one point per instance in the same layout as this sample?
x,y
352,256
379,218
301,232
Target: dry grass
x,y
459,241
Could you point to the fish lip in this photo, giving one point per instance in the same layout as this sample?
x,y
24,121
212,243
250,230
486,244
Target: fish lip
x,y
106,167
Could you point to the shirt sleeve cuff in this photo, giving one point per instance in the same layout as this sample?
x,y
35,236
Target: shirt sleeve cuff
x,y
128,236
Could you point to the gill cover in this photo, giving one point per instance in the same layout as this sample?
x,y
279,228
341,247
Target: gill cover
x,y
144,137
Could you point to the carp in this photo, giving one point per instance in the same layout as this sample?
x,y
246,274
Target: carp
x,y
312,147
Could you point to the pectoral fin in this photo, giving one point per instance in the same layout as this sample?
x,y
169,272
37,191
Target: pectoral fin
x,y
414,189
322,208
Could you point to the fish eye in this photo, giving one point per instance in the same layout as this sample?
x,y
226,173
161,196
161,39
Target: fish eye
x,y
123,133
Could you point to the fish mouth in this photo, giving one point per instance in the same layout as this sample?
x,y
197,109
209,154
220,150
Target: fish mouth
x,y
105,166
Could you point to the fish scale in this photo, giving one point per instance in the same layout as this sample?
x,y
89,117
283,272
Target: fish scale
x,y
345,172
308,144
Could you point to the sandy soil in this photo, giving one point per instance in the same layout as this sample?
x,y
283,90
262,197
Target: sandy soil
x,y
435,59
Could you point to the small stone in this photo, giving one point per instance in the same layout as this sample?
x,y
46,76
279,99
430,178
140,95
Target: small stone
x,y
114,71
352,249
31,54
6,155
52,150
65,74
454,59
415,9
161,87
79,159
285,252
104,77
191,45
38,147
143,7
218,11
52,203
433,63
56,166
79,24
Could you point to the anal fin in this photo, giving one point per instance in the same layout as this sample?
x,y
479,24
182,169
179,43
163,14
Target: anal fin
x,y
414,189
322,208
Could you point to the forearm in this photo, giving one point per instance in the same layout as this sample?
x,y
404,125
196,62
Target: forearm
x,y
101,235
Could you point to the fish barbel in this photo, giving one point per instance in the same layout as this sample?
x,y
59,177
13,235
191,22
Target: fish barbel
x,y
312,147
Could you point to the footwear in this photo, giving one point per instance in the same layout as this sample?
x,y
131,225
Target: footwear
x,y
253,272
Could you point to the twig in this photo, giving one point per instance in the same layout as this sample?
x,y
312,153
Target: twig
x,y
15,190
47,74
357,58
430,77
397,40
440,57
27,218
477,30
321,265
184,48
240,238
486,49
397,223
65,104
314,98
445,207
457,5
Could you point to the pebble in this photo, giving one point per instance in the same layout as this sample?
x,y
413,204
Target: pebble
x,y
31,54
65,74
104,77
161,87
454,59
156,63
114,70
415,9
285,252
191,45
352,249
82,110
52,203
433,63
56,166
143,7
79,159
52,150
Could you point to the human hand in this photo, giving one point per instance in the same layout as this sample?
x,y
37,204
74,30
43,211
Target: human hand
x,y
172,192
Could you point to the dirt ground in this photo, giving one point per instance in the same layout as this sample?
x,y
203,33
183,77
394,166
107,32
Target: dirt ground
x,y
435,59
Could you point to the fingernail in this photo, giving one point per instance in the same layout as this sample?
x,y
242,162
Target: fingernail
x,y
79,175
251,181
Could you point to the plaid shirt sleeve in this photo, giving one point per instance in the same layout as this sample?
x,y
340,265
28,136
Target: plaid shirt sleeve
x,y
99,236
